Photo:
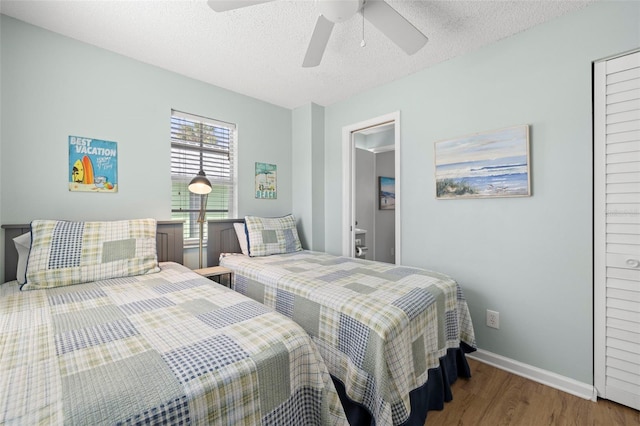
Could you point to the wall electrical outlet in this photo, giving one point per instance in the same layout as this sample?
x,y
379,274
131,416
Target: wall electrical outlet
x,y
358,241
493,319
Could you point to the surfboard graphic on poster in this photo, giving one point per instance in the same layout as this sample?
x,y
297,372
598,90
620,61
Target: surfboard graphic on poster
x,y
93,165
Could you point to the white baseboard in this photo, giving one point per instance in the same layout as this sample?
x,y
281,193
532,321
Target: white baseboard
x,y
548,378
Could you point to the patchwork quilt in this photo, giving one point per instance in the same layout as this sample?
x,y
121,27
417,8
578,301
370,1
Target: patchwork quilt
x,y
379,327
166,348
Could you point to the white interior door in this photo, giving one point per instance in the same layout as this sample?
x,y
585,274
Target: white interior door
x,y
617,229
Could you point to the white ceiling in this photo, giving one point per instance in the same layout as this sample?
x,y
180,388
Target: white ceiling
x,y
258,50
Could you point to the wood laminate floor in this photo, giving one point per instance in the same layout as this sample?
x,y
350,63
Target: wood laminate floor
x,y
494,397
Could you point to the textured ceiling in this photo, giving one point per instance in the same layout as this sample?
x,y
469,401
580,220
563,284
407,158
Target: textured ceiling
x,y
258,50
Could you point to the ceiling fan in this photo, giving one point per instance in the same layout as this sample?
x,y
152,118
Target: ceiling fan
x,y
378,12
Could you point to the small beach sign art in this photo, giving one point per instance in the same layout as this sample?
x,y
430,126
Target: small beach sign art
x,y
483,165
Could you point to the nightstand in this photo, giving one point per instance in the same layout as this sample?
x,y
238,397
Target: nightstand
x,y
214,272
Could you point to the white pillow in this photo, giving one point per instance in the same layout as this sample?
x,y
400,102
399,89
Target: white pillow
x,y
242,237
23,245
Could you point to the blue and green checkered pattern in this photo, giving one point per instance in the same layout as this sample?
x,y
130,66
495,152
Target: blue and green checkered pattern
x,y
168,348
274,235
379,327
64,253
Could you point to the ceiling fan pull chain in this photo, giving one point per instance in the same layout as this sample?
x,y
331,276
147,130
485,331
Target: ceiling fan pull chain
x,y
363,43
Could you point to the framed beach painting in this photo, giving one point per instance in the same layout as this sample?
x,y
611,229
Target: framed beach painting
x,y
386,193
482,165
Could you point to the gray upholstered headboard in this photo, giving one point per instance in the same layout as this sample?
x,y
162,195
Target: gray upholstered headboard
x,y
169,242
221,239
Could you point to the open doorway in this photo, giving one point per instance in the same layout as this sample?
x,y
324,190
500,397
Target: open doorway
x,y
374,193
371,197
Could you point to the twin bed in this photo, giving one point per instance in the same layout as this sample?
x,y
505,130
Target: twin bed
x,y
393,337
154,344
370,342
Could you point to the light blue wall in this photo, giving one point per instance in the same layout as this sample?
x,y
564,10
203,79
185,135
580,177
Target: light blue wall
x,y
528,258
53,87
301,172
308,174
317,173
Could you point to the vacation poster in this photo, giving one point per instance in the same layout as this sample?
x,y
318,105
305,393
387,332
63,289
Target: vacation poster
x,y
93,165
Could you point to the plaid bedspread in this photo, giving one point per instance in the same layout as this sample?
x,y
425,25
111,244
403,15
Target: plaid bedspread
x,y
379,327
165,348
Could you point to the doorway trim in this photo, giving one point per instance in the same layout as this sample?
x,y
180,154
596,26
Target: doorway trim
x,y
348,190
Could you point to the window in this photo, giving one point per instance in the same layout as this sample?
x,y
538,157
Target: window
x,y
200,142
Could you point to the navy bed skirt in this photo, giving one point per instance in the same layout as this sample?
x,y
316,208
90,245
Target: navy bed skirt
x,y
431,396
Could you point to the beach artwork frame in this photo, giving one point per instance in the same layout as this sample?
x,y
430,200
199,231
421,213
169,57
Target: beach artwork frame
x,y
266,181
484,165
386,193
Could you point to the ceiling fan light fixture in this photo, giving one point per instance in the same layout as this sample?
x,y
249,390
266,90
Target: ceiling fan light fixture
x,y
378,12
339,10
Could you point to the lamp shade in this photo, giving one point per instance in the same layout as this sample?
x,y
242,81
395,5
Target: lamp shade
x,y
200,184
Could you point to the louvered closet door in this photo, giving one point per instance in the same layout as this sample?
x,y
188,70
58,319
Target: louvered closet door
x,y
617,229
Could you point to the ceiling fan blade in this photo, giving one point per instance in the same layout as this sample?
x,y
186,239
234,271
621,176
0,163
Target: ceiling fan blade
x,y
224,5
318,43
395,26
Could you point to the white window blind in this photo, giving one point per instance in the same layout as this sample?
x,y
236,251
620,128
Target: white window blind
x,y
200,142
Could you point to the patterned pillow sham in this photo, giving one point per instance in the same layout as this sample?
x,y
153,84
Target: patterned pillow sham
x,y
272,235
64,253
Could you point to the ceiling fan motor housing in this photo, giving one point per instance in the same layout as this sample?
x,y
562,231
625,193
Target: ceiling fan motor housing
x,y
339,10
